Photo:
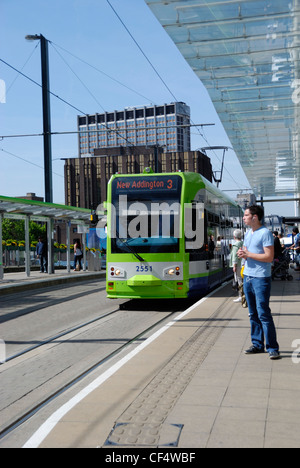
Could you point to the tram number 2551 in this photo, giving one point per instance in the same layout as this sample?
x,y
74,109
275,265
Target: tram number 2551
x,y
143,268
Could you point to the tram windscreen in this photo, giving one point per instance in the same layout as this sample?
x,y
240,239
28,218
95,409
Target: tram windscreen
x,y
146,214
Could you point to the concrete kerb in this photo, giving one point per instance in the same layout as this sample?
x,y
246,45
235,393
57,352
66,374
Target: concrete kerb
x,y
26,285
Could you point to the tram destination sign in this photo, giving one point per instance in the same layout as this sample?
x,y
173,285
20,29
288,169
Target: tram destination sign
x,y
164,184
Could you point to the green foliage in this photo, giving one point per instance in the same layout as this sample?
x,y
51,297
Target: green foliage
x,y
15,229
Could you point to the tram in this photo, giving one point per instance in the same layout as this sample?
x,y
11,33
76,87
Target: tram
x,y
168,235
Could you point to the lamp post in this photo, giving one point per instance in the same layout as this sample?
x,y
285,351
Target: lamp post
x,y
46,115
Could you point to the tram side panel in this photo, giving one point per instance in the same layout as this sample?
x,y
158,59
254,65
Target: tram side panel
x,y
209,263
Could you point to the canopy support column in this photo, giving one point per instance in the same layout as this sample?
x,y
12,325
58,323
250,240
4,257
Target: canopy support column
x,y
1,248
84,250
50,226
68,224
27,247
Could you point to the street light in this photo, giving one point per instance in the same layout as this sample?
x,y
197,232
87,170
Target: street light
x,y
46,115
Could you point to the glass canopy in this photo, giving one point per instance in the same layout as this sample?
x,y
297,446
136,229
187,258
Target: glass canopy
x,y
246,53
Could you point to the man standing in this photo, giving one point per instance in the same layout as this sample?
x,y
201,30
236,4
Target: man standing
x,y
258,252
42,254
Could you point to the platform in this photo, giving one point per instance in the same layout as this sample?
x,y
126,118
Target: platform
x,y
18,281
190,385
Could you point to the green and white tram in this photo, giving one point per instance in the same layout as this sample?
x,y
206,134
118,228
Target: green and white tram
x,y
168,235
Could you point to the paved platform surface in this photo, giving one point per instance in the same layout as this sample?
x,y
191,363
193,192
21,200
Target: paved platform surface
x,y
191,385
16,282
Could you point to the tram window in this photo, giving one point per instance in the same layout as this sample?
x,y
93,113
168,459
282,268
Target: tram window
x,y
214,232
153,229
146,214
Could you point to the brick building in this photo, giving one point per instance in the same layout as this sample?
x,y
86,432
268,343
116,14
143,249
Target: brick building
x,y
86,178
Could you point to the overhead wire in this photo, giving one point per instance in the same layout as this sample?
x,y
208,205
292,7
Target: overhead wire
x,y
27,161
38,84
76,132
18,75
60,98
78,78
103,73
141,50
94,97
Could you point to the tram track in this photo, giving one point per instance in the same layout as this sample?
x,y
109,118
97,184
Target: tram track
x,y
29,306
60,335
24,416
38,318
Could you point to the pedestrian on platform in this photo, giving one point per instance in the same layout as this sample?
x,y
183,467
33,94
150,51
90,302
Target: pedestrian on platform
x,y
258,253
77,255
42,254
236,262
281,240
277,245
296,246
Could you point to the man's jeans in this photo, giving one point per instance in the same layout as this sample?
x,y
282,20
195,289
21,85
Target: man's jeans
x,y
257,292
44,263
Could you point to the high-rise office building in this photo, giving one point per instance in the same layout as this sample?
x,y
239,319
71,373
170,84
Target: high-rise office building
x,y
167,126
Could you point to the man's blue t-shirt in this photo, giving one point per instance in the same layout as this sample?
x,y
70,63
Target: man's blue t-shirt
x,y
255,241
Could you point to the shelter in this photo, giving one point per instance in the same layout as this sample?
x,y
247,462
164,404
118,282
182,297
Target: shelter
x,y
30,210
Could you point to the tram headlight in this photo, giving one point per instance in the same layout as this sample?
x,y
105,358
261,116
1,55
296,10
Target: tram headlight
x,y
117,272
173,271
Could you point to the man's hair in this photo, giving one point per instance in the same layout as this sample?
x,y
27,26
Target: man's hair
x,y
296,230
256,210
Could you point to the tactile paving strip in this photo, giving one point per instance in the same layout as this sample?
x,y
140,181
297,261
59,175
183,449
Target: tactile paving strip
x,y
142,421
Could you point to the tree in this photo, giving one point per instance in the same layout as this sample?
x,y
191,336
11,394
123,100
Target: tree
x,y
15,229
37,230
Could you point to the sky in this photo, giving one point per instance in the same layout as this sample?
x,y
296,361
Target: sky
x,y
95,66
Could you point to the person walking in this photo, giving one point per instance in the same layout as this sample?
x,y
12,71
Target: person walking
x,y
258,253
236,262
78,254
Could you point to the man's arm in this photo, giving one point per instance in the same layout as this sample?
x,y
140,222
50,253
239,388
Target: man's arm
x,y
266,257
